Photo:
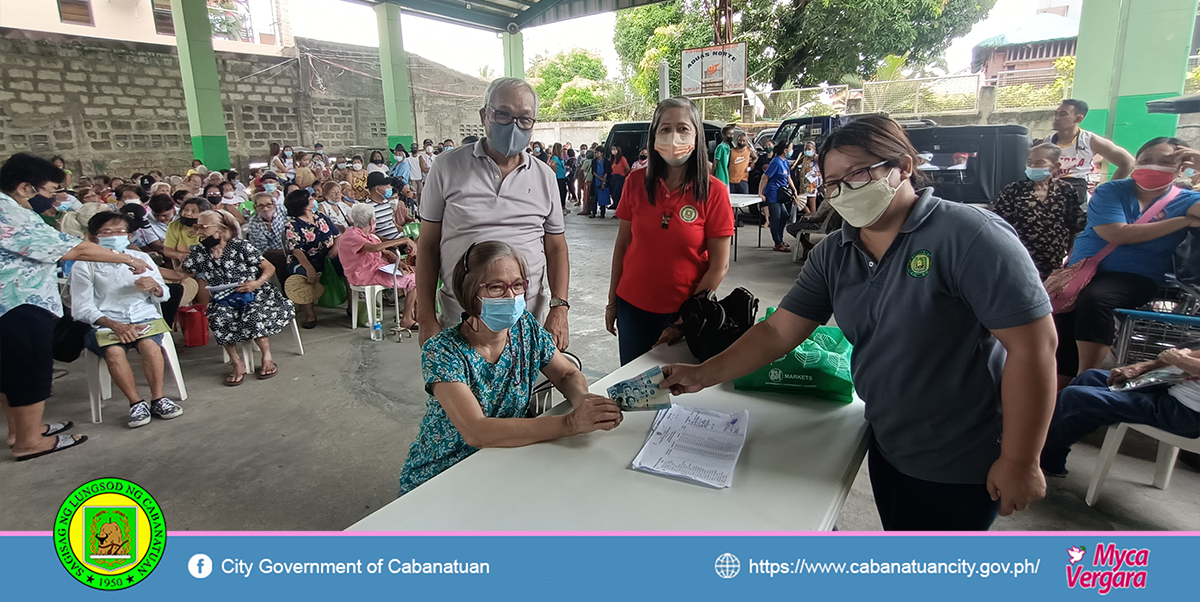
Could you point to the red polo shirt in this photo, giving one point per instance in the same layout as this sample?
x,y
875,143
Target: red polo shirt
x,y
662,267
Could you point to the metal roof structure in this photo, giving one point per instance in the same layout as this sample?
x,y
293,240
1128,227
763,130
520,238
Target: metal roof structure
x,y
509,15
1042,27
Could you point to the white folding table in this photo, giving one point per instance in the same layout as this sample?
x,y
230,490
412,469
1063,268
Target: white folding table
x,y
800,458
742,201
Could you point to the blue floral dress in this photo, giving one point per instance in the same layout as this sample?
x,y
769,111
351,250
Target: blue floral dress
x,y
503,389
265,316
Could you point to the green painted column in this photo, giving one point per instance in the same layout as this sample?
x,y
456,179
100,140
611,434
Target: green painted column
x,y
1130,52
397,96
201,83
514,54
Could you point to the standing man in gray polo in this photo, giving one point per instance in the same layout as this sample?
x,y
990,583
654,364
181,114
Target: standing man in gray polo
x,y
493,190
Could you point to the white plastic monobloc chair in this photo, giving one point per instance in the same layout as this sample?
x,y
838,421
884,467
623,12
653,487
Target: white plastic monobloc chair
x,y
372,296
248,349
1168,450
100,382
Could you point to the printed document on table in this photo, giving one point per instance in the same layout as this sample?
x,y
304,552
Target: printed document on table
x,y
694,444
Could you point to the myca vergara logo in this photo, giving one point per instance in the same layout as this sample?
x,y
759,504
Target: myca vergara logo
x,y
109,534
1112,568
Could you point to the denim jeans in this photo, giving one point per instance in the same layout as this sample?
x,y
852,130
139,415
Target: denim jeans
x,y
637,330
779,219
1087,405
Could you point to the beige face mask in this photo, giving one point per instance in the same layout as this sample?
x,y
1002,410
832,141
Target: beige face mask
x,y
863,207
675,148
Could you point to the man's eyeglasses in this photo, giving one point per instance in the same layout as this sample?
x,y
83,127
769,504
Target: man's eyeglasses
x,y
495,290
505,118
853,180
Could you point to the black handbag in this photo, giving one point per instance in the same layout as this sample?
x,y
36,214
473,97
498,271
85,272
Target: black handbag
x,y
710,326
68,338
1187,261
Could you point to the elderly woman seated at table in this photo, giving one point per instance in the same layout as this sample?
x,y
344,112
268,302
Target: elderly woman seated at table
x,y
480,374
255,309
365,257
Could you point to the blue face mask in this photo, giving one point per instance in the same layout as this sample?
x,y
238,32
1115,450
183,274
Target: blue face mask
x,y
287,153
269,187
809,152
387,194
347,199
114,243
1189,172
501,314
448,148
1037,174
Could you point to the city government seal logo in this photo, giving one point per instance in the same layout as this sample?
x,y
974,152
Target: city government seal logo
x,y
109,534
919,264
688,214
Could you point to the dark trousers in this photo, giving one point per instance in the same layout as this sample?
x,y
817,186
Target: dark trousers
x,y
637,330
616,185
562,192
910,504
278,258
779,219
1081,187
1092,319
1087,405
742,187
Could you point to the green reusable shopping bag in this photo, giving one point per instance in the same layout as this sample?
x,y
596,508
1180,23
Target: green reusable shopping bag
x,y
412,230
819,367
335,290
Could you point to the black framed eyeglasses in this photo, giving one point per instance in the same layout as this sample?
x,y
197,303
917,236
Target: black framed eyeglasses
x,y
505,118
853,180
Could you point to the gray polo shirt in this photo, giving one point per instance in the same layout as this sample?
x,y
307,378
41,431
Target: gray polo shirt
x,y
464,191
924,360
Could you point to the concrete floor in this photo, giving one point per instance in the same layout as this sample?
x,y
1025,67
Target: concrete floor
x,y
321,445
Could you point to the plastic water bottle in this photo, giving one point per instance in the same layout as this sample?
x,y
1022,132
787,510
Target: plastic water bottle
x,y
377,331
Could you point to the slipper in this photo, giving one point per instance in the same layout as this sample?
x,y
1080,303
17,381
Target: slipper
x,y
55,428
63,442
262,375
233,381
309,325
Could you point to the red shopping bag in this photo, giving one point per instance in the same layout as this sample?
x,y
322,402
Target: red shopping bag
x,y
194,322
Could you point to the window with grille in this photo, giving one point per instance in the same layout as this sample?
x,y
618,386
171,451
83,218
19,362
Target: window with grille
x,y
164,24
75,11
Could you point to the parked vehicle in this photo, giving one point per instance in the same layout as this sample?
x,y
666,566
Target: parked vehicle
x,y
631,137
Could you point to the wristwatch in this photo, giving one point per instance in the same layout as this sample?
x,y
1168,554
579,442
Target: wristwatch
x,y
556,302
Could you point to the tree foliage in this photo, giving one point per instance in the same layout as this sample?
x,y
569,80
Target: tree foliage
x,y
802,42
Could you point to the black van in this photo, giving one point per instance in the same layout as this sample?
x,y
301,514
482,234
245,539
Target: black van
x,y
965,163
631,137
971,163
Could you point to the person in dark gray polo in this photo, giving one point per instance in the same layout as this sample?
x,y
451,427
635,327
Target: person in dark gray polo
x,y
953,339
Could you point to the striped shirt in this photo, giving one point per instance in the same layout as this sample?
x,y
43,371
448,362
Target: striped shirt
x,y
385,219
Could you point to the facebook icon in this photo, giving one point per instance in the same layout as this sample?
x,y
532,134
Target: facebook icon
x,y
200,566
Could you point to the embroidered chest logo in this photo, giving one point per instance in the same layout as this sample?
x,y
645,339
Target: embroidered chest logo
x,y
919,264
688,214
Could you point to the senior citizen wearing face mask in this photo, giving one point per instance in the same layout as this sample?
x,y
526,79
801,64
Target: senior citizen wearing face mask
x,y
493,190
480,373
950,325
1129,273
1043,209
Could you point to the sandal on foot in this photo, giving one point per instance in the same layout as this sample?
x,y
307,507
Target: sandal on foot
x,y
55,428
63,442
233,381
264,375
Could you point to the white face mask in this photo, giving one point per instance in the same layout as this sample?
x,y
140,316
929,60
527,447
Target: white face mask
x,y
428,149
863,207
357,166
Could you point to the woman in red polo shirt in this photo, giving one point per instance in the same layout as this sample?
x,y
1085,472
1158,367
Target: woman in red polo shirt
x,y
673,241
616,176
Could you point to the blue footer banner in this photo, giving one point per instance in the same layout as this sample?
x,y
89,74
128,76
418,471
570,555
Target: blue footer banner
x,y
112,551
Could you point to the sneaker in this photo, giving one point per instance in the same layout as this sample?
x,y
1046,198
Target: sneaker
x,y
165,408
139,414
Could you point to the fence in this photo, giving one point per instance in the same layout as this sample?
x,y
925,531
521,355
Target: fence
x,y
1031,88
926,95
801,102
1191,85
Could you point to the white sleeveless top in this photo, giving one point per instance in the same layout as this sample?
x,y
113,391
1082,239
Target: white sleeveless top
x,y
1076,159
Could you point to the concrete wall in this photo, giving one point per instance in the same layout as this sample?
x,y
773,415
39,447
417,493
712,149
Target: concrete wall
x,y
126,20
117,107
575,132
